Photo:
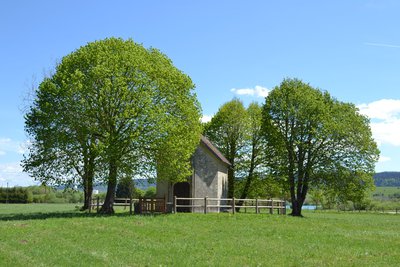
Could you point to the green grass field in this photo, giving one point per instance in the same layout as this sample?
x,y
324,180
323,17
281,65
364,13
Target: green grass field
x,y
386,190
58,235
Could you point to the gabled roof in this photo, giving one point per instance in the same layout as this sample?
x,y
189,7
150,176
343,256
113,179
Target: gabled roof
x,y
214,150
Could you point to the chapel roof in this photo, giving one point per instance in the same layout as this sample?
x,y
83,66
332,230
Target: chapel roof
x,y
214,150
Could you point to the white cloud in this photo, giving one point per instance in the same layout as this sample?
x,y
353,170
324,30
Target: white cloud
x,y
9,145
10,168
384,159
257,91
387,132
385,120
382,109
206,118
12,174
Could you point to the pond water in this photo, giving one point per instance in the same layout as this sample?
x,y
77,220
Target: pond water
x,y
305,207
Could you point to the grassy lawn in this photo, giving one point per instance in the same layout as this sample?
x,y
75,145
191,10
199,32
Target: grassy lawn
x,y
58,235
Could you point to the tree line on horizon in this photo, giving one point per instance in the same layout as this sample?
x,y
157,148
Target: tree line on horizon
x,y
387,179
114,110
49,194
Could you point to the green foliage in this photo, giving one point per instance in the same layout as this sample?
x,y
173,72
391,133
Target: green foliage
x,y
386,198
125,188
140,106
315,141
14,195
113,109
251,166
139,193
386,193
227,131
236,132
39,194
261,187
150,192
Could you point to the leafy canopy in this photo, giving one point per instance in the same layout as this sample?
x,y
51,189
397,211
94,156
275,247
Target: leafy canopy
x,y
125,104
314,140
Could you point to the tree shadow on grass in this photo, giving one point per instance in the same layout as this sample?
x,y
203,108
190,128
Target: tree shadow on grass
x,y
52,215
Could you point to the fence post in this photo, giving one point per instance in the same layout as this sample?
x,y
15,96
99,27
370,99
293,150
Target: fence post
x,y
279,207
174,207
284,208
205,205
90,205
271,210
165,204
257,210
130,204
233,205
98,203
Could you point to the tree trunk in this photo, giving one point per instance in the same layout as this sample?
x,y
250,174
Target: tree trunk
x,y
249,179
296,208
87,194
302,189
107,207
88,183
245,191
231,182
297,200
231,169
87,191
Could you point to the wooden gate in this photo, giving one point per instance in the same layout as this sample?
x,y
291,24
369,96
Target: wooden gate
x,y
152,205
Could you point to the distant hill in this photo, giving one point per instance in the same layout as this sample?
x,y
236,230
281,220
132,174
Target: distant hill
x,y
142,184
387,179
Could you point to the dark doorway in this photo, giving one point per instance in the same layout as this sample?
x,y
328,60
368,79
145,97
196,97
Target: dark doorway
x,y
182,190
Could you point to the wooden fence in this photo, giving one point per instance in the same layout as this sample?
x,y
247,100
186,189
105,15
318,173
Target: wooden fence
x,y
139,205
205,205
227,204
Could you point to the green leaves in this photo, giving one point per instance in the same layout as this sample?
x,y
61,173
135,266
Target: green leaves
x,y
317,140
236,131
116,101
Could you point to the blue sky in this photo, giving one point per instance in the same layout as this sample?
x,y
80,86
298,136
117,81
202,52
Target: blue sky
x,y
229,49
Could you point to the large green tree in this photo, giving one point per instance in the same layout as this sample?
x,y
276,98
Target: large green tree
x,y
62,149
314,140
237,132
227,131
252,167
132,105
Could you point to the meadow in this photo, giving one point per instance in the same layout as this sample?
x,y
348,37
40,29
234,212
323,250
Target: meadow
x,y
386,191
59,235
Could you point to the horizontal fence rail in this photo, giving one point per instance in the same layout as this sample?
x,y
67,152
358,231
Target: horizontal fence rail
x,y
204,205
207,204
140,205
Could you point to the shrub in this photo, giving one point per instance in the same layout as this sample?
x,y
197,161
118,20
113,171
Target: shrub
x,y
14,195
124,188
150,192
